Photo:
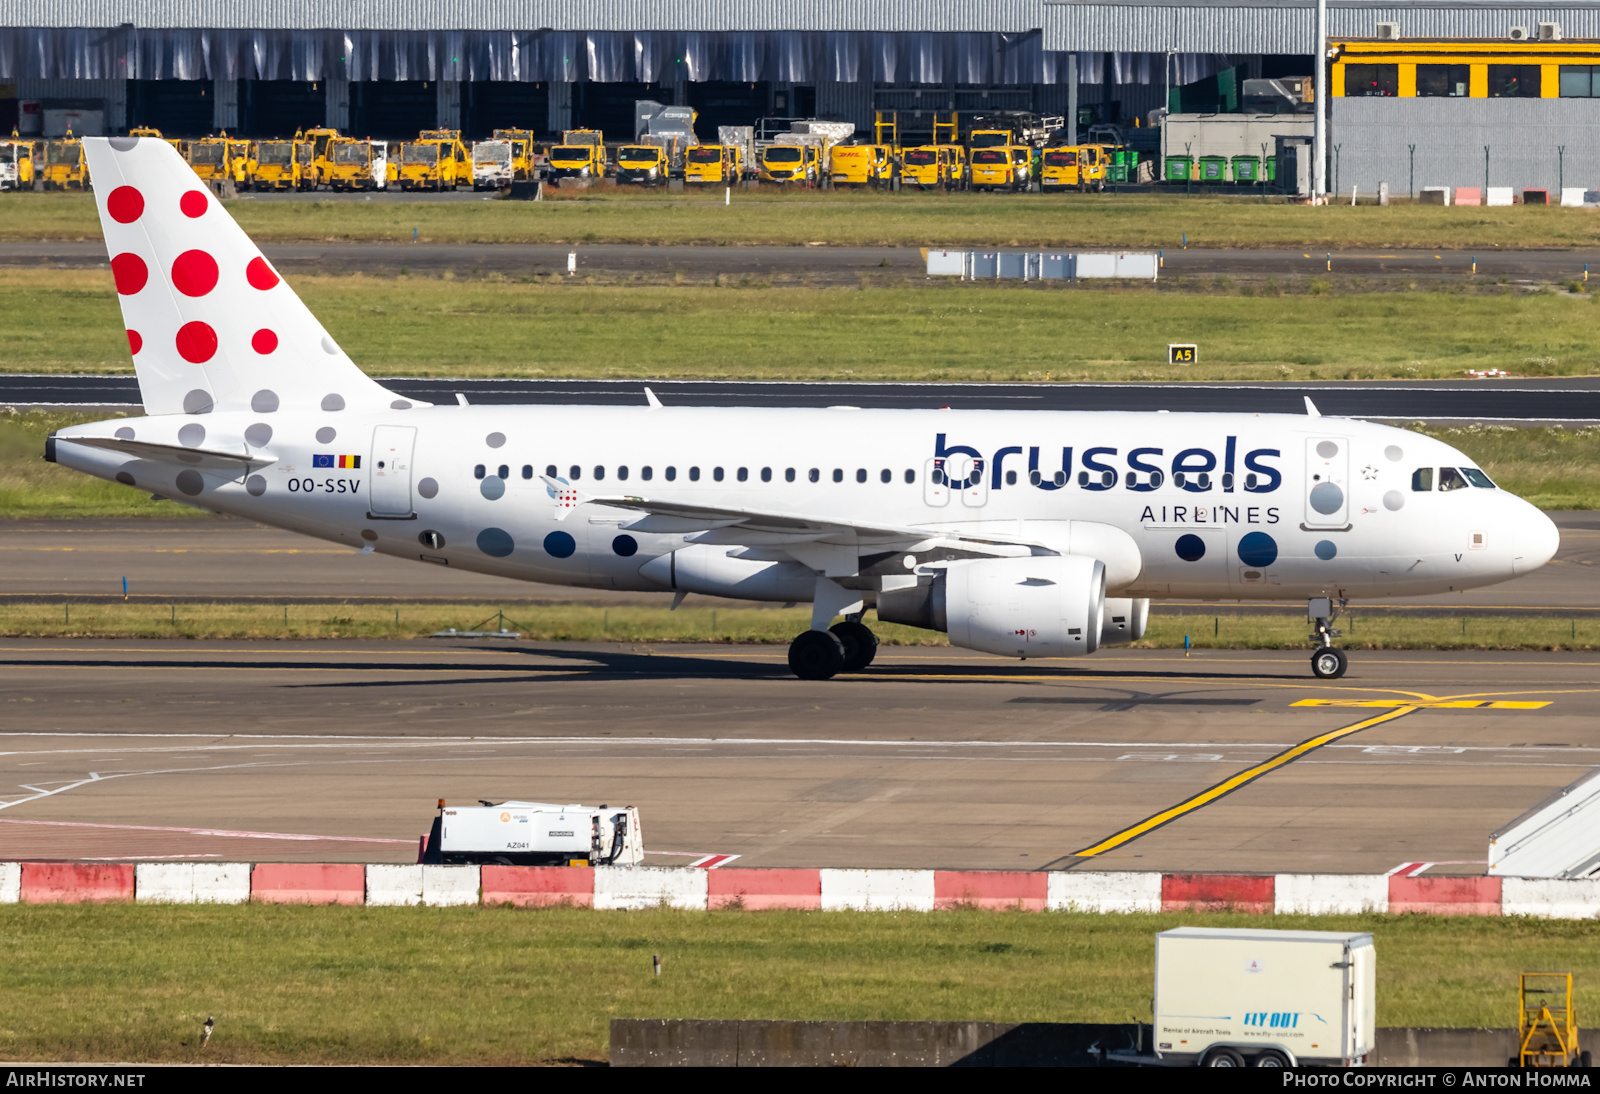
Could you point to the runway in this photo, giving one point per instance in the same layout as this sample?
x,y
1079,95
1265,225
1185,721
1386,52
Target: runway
x,y
227,559
839,264
1570,400
932,758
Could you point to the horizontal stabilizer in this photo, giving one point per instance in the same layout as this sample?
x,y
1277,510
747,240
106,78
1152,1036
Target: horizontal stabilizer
x,y
205,458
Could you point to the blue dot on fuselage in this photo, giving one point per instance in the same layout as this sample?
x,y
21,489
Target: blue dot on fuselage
x,y
1258,550
559,545
1190,547
1326,549
496,542
626,546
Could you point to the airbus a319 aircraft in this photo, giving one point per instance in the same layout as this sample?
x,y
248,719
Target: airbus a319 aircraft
x,y
1018,533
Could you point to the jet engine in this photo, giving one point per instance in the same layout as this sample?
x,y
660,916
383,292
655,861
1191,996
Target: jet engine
x,y
1125,620
1041,606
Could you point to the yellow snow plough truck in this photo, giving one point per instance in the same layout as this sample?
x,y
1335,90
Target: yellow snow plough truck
x,y
277,165
434,162
359,165
580,155
63,167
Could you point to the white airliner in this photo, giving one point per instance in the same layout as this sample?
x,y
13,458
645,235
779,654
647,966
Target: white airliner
x,y
1019,533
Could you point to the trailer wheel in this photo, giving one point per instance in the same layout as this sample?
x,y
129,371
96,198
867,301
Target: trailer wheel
x,y
1222,1057
1271,1058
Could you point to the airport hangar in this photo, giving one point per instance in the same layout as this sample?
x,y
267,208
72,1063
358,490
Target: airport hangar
x,y
1511,91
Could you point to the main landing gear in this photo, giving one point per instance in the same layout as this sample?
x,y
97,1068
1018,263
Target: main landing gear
x,y
844,647
1327,663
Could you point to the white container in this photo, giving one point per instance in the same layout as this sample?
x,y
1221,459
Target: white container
x,y
537,834
1227,997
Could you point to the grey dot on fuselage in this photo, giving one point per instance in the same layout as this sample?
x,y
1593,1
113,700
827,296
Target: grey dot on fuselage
x,y
326,434
400,404
198,401
125,433
428,488
258,435
190,482
1394,453
192,435
1327,449
493,487
264,401
495,440
256,485
123,144
329,345
1393,500
333,402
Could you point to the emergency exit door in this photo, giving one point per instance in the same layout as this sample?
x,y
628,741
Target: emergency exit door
x,y
1327,482
389,492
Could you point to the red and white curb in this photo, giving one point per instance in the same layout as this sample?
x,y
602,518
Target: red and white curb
x,y
708,885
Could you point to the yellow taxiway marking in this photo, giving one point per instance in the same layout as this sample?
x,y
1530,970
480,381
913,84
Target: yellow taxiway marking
x,y
1228,786
1441,704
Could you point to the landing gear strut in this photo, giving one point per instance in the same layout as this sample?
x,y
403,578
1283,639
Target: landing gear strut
x,y
1327,663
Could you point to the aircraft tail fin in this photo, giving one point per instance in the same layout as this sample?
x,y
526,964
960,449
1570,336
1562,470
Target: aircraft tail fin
x,y
211,325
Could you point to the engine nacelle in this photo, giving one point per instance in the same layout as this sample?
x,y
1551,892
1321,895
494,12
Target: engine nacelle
x,y
1125,620
700,568
1042,606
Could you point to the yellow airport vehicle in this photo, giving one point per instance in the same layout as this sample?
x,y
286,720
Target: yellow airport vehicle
x,y
860,164
1074,167
216,158
177,142
317,170
359,165
580,155
1001,167
934,166
62,166
643,164
493,165
434,163
276,165
721,164
521,164
16,165
788,163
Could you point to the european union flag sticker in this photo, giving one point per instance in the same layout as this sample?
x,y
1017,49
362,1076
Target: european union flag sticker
x,y
322,460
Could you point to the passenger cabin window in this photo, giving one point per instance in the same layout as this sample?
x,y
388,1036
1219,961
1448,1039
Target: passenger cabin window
x,y
861,474
1478,478
911,477
599,472
504,472
1011,478
479,471
716,473
1451,479
551,471
814,475
1382,81
647,472
1514,81
1422,479
672,474
788,474
886,475
766,474
838,474
1443,81
743,474
694,474
527,470
575,472
622,472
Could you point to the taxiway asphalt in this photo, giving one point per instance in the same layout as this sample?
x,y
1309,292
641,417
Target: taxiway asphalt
x,y
931,758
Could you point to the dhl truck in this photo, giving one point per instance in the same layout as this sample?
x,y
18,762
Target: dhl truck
x,y
643,164
790,163
580,155
860,164
434,163
359,165
16,165
62,166
934,165
1002,167
276,165
721,164
1073,167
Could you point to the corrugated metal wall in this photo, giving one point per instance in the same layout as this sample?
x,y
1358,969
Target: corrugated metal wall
x,y
1375,136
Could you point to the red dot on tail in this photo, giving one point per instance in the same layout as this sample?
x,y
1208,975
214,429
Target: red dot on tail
x,y
194,273
264,341
259,274
130,273
125,205
197,342
135,343
194,204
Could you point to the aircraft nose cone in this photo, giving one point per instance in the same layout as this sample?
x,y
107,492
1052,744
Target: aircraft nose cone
x,y
1537,541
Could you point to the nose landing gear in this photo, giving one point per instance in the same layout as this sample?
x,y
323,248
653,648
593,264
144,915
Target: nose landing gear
x,y
1327,663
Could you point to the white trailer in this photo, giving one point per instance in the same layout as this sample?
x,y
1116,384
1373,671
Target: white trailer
x,y
518,833
1228,997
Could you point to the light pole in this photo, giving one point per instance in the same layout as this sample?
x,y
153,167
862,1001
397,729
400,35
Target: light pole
x,y
1319,90
1413,183
1561,171
1486,174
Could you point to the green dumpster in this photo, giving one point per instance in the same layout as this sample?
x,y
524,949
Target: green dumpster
x,y
1117,172
1180,168
1213,169
1246,169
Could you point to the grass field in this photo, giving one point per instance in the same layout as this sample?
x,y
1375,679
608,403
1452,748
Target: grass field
x,y
497,985
1553,468
773,216
68,321
699,621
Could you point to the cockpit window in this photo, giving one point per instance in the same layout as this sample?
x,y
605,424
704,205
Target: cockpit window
x,y
1477,478
1422,479
1450,479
